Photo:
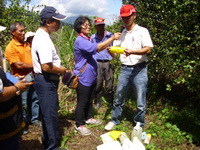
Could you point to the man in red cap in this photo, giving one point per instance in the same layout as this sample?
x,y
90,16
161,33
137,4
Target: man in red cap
x,y
137,43
105,68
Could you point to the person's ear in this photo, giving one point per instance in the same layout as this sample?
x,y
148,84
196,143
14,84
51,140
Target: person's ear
x,y
48,22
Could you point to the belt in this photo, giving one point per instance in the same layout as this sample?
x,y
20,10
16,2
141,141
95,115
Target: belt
x,y
140,65
50,76
102,60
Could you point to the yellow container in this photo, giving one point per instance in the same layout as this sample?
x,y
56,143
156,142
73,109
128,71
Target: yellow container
x,y
116,49
147,139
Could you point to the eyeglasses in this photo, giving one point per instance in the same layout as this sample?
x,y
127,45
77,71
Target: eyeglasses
x,y
86,25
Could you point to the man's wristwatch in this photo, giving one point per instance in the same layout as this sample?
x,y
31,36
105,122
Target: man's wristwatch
x,y
17,90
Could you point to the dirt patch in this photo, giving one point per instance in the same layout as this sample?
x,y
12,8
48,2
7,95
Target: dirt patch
x,y
70,138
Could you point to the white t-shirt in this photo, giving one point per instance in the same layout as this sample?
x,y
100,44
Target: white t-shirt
x,y
135,39
47,53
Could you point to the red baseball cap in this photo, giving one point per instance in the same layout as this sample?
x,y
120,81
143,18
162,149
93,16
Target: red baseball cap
x,y
99,21
127,10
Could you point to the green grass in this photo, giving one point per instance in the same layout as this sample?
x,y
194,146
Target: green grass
x,y
164,123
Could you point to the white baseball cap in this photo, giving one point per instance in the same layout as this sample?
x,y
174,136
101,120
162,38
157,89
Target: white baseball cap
x,y
2,28
29,34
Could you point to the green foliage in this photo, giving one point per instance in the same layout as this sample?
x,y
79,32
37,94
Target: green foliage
x,y
64,40
17,12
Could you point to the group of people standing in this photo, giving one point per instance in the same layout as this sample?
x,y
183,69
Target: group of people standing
x,y
92,54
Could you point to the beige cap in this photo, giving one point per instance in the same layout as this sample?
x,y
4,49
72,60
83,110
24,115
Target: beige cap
x,y
29,34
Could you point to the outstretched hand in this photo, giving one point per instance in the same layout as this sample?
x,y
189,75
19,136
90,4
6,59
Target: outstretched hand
x,y
117,35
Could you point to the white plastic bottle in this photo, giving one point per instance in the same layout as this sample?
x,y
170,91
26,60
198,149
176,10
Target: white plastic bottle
x,y
126,143
137,132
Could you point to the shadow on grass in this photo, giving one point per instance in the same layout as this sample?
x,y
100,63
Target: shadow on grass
x,y
189,122
187,105
31,145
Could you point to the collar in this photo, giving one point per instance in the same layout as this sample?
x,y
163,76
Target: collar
x,y
135,28
106,34
84,36
18,43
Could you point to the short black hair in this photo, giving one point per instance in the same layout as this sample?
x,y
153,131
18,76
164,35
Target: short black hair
x,y
80,21
44,20
13,26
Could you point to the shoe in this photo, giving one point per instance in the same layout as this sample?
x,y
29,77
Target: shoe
x,y
93,121
109,126
83,130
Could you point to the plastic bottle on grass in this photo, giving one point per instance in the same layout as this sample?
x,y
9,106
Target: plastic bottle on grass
x,y
137,144
126,143
137,132
147,139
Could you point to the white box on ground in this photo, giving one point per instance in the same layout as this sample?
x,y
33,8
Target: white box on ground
x,y
114,145
106,138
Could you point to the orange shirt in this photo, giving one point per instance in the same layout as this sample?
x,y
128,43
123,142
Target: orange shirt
x,y
18,52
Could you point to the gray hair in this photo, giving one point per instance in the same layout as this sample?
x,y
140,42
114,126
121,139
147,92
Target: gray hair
x,y
13,26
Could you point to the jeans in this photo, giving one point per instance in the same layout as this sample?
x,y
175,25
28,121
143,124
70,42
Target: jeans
x,y
137,79
30,103
47,91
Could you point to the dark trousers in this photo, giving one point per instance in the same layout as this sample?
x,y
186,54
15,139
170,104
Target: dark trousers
x,y
105,73
10,143
47,91
85,95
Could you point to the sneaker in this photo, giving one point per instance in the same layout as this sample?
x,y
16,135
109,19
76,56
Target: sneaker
x,y
109,126
83,130
93,121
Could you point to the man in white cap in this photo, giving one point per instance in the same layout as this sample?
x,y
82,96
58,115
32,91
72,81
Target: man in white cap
x,y
137,43
29,37
2,59
47,67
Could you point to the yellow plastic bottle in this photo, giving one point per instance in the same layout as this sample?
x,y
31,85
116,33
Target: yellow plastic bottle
x,y
116,49
147,139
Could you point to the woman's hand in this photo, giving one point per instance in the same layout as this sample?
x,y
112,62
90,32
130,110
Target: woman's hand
x,y
117,35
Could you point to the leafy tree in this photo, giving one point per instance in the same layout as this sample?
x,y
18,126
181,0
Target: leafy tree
x,y
17,12
174,61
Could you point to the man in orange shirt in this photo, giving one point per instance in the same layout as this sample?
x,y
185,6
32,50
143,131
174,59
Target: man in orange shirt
x,y
18,54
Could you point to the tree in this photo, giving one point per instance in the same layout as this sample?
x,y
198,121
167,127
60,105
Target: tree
x,y
17,12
